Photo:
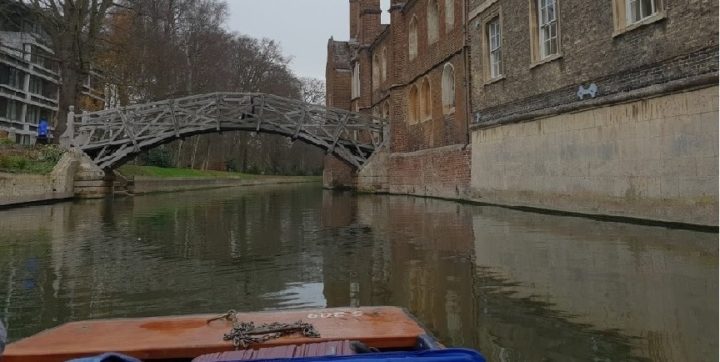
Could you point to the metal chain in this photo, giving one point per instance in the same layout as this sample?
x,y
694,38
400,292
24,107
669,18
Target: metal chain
x,y
245,334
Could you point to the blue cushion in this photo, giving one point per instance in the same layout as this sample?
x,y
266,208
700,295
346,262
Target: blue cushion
x,y
444,355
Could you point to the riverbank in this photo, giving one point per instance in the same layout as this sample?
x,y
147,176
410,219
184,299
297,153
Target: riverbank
x,y
149,179
66,181
154,184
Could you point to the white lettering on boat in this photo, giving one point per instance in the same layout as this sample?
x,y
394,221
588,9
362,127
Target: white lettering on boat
x,y
325,315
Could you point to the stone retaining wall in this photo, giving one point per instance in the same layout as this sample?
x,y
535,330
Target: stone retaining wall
x,y
25,188
654,158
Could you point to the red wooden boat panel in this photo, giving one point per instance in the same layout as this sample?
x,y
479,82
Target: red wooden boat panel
x,y
192,336
332,348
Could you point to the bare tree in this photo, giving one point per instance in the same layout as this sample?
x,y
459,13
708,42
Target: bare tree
x,y
159,49
74,28
313,90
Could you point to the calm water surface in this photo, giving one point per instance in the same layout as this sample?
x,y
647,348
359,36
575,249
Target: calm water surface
x,y
517,286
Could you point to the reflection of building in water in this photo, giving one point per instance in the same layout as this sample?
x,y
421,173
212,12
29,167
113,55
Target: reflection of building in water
x,y
517,286
647,282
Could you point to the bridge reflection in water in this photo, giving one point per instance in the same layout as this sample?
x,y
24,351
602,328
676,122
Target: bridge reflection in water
x,y
518,286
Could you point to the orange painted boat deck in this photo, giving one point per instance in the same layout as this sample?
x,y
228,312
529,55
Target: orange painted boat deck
x,y
186,337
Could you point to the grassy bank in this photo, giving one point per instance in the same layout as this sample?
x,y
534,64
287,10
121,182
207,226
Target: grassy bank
x,y
161,172
39,160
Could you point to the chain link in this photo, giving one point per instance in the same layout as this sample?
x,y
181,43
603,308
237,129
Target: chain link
x,y
246,334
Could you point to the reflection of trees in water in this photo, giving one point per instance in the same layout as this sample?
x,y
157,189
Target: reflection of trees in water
x,y
165,254
293,246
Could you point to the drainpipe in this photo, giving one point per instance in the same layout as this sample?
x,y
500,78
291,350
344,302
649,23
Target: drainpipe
x,y
468,78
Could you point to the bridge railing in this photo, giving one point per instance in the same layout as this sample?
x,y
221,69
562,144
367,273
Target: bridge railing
x,y
110,136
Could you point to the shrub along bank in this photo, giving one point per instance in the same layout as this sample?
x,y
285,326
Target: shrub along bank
x,y
37,159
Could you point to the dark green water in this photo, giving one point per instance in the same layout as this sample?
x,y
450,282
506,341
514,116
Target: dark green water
x,y
517,286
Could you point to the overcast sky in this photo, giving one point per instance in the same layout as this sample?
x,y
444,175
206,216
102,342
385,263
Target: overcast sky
x,y
302,27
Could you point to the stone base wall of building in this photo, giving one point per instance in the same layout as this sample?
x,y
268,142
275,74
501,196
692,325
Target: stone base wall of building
x,y
338,174
439,172
654,158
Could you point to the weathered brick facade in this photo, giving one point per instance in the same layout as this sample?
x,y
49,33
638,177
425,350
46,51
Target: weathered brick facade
x,y
678,43
386,94
621,120
551,102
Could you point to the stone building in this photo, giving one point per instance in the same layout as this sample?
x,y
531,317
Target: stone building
x,y
411,72
30,79
602,107
597,107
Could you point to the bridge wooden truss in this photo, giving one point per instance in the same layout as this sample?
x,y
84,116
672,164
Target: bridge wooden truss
x,y
111,137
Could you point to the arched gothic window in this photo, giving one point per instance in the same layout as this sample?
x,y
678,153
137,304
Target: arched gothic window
x,y
426,100
448,88
376,70
383,65
449,15
413,38
413,105
433,21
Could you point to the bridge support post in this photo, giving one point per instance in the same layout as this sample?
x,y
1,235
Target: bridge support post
x,y
338,174
92,182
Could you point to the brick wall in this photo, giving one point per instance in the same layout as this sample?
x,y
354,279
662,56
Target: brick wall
x,y
338,174
680,44
435,169
338,75
438,172
441,130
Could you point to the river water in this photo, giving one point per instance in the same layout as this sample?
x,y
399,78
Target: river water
x,y
517,286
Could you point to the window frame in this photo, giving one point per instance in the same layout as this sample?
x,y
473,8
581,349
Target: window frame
x,y
628,11
413,38
538,52
426,107
494,53
449,15
621,16
413,108
485,19
546,23
433,18
449,89
376,71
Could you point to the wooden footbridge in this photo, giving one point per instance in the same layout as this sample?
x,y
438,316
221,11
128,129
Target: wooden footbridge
x,y
111,137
